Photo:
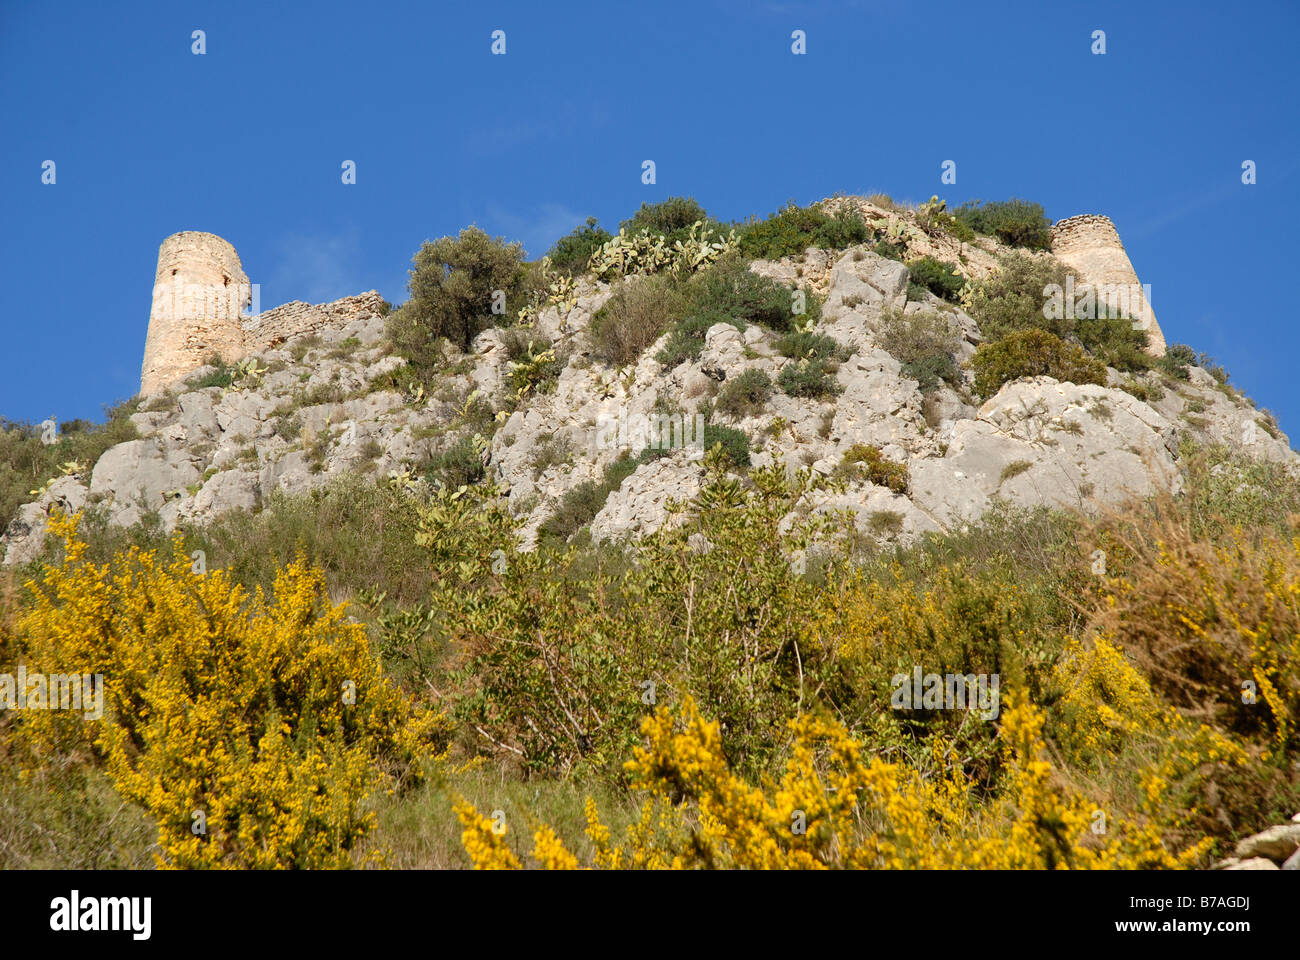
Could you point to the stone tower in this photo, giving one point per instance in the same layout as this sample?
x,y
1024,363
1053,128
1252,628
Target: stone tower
x,y
1090,246
198,294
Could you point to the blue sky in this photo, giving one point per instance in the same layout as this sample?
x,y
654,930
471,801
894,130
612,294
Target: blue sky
x,y
247,140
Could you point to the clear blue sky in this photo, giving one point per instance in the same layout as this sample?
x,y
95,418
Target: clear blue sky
x,y
246,141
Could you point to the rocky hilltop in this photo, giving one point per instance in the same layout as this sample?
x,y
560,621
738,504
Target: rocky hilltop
x,y
331,398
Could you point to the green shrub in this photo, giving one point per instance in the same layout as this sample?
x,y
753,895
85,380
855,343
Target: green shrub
x,y
1177,358
866,461
746,394
888,250
534,364
793,229
579,506
938,276
734,443
924,343
930,371
1032,353
805,344
811,379
687,340
459,465
222,376
572,251
1013,298
1115,341
672,218
730,291
451,285
1018,223
635,316
26,463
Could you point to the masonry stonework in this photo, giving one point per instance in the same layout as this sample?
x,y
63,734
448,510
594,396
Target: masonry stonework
x,y
1090,246
199,295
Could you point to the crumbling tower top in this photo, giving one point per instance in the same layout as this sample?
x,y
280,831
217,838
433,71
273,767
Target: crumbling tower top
x,y
1090,246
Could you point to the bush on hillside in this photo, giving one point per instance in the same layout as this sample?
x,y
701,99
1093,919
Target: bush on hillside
x,y
810,379
572,251
452,284
671,218
266,714
1014,297
1017,223
1115,341
938,276
635,316
925,343
1032,353
745,395
793,229
27,463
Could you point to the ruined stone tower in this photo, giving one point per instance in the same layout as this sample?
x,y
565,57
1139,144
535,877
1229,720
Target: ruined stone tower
x,y
1090,246
198,293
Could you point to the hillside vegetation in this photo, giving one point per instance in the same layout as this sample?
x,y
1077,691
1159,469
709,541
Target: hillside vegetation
x,y
408,668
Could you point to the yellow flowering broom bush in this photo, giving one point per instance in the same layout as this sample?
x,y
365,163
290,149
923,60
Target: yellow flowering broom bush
x,y
253,728
835,808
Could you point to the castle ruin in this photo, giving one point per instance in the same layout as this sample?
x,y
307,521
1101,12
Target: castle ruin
x,y
1090,246
200,294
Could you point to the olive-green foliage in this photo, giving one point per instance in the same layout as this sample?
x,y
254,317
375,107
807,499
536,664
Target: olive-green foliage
x,y
559,651
1115,341
734,443
1014,297
811,379
1177,358
1032,353
672,218
1018,223
889,251
866,461
451,284
793,229
687,340
745,395
357,530
572,251
925,344
635,316
535,365
26,463
457,465
1225,490
222,375
806,344
930,371
729,292
938,276
579,506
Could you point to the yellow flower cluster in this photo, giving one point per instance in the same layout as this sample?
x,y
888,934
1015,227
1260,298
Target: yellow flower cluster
x,y
833,808
252,728
485,846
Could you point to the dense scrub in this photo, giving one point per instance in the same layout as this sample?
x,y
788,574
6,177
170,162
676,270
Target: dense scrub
x,y
743,661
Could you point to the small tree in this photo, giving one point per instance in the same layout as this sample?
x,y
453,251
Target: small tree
x,y
453,282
